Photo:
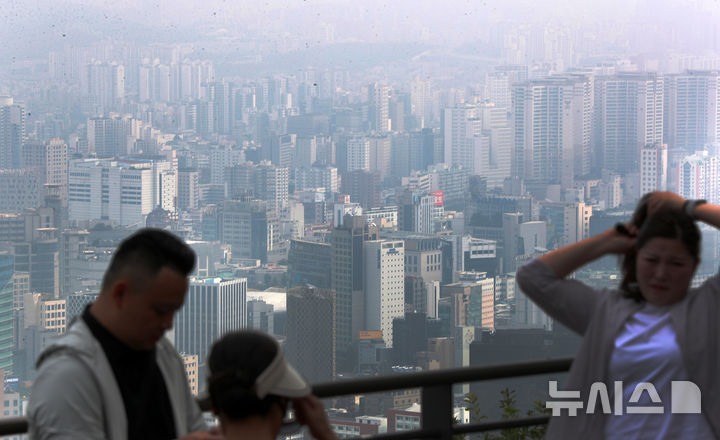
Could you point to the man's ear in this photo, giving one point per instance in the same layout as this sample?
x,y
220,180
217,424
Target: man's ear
x,y
119,291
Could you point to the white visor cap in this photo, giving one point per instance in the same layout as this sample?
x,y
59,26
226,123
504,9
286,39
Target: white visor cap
x,y
280,379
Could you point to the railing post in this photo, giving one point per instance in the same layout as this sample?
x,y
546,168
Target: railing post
x,y
437,410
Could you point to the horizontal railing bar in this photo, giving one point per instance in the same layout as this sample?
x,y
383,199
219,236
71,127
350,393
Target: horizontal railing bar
x,y
422,434
499,424
466,428
376,384
13,426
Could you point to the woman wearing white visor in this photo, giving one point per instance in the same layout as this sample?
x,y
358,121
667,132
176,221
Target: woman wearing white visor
x,y
250,386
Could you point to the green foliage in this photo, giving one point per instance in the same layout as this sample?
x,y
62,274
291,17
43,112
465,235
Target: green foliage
x,y
508,404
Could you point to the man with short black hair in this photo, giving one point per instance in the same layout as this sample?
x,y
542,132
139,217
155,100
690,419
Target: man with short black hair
x,y
113,375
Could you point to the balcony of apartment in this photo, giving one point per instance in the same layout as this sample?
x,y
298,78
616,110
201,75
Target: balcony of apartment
x,y
436,414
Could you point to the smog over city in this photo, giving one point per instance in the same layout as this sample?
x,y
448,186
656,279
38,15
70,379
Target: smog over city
x,y
362,180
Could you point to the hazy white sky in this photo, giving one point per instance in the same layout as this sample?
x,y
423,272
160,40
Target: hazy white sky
x,y
35,23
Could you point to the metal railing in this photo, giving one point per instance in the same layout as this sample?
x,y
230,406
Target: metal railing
x,y
437,402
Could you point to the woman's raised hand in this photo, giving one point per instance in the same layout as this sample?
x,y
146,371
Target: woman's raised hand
x,y
664,201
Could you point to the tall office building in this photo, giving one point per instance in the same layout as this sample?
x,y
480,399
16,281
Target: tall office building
x,y
6,313
251,229
281,150
213,307
188,189
552,121
379,155
570,221
363,187
415,212
308,263
310,344
653,168
347,280
39,255
198,116
99,189
628,116
260,316
12,132
306,151
271,185
384,285
692,109
21,189
124,192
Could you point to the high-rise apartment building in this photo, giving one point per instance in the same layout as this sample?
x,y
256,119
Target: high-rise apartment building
x,y
358,154
653,168
264,181
222,97
310,329
692,110
552,121
213,307
317,177
384,285
698,177
461,130
12,132
492,147
105,85
221,159
108,137
379,111
421,100
628,116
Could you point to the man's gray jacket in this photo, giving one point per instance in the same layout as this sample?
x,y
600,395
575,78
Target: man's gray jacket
x,y
75,395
